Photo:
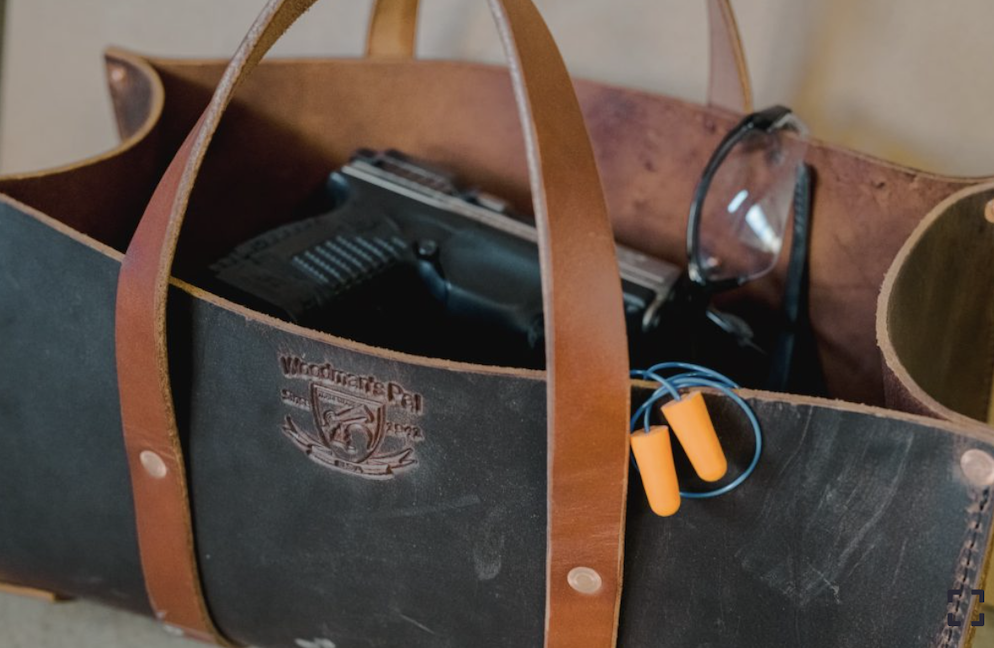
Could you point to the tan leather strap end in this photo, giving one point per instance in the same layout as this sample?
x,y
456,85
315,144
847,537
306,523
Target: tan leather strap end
x,y
393,30
32,593
729,87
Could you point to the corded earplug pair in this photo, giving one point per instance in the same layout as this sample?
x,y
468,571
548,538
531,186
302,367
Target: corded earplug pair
x,y
688,417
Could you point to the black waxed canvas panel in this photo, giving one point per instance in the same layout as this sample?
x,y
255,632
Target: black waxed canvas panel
x,y
447,550
66,513
850,532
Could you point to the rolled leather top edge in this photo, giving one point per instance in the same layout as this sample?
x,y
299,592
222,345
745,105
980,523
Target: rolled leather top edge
x,y
935,324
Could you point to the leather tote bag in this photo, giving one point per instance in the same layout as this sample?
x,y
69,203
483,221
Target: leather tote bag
x,y
153,451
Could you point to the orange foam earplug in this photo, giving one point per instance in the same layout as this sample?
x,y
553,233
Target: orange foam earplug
x,y
690,421
654,456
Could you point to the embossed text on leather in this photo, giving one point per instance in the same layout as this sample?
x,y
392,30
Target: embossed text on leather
x,y
362,426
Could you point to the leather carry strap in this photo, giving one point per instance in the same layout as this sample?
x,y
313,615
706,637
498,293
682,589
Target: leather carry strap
x,y
588,385
393,31
728,84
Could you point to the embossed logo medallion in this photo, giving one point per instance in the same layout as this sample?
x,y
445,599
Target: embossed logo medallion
x,y
361,425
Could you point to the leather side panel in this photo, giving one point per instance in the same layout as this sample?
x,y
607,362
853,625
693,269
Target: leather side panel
x,y
849,533
66,513
935,324
449,550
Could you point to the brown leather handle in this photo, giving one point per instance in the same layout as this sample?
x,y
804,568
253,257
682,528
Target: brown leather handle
x,y
393,30
588,386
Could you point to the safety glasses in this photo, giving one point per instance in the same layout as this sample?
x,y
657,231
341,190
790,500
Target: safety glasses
x,y
742,203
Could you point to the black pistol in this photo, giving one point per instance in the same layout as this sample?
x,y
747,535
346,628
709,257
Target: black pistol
x,y
401,257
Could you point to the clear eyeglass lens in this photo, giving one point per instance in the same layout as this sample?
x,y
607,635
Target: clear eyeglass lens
x,y
745,212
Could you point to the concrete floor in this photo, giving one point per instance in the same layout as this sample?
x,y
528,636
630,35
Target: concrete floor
x,y
26,623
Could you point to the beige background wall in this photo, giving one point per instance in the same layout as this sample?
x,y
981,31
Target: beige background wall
x,y
908,80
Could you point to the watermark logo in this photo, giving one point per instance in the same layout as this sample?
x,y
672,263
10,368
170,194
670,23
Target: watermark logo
x,y
955,619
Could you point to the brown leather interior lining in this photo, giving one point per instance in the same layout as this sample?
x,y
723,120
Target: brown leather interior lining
x,y
393,31
936,322
649,148
282,135
104,196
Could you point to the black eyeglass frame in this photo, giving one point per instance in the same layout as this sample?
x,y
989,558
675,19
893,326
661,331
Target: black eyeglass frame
x,y
768,120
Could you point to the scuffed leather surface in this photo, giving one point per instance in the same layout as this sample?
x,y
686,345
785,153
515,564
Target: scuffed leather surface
x,y
66,513
447,553
875,504
849,533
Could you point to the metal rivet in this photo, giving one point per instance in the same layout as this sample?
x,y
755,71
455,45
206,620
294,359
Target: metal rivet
x,y
584,580
989,211
117,74
173,630
978,466
153,464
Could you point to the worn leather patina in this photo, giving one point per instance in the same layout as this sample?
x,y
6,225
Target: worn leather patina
x,y
873,501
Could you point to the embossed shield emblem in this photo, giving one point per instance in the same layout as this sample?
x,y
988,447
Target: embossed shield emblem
x,y
350,426
363,426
